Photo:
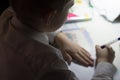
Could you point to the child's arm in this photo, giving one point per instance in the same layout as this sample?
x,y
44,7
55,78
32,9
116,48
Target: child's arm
x,y
72,51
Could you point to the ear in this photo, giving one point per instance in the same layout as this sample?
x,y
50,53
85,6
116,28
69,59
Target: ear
x,y
50,17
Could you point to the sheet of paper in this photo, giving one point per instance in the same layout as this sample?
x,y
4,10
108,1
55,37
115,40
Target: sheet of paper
x,y
81,37
108,8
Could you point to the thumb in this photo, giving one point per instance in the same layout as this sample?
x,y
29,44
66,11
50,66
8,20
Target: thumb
x,y
97,47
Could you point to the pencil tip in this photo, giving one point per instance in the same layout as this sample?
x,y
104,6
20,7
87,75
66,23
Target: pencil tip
x,y
119,38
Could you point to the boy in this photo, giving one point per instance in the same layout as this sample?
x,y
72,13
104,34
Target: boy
x,y
25,53
69,49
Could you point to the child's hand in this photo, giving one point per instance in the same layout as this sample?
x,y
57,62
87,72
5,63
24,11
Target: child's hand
x,y
106,54
72,51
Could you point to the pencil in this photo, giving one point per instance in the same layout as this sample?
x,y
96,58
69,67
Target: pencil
x,y
103,46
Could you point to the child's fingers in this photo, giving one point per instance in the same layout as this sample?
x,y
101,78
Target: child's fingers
x,y
110,49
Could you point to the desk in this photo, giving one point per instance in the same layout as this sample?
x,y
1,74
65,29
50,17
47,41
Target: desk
x,y
101,31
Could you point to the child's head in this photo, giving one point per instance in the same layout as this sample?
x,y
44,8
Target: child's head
x,y
43,15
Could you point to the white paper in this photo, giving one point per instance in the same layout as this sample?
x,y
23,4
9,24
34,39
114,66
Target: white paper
x,y
108,8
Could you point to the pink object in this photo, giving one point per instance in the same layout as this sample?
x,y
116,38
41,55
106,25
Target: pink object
x,y
70,15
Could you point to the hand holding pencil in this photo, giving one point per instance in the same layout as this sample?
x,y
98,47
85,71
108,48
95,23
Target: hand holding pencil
x,y
106,54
